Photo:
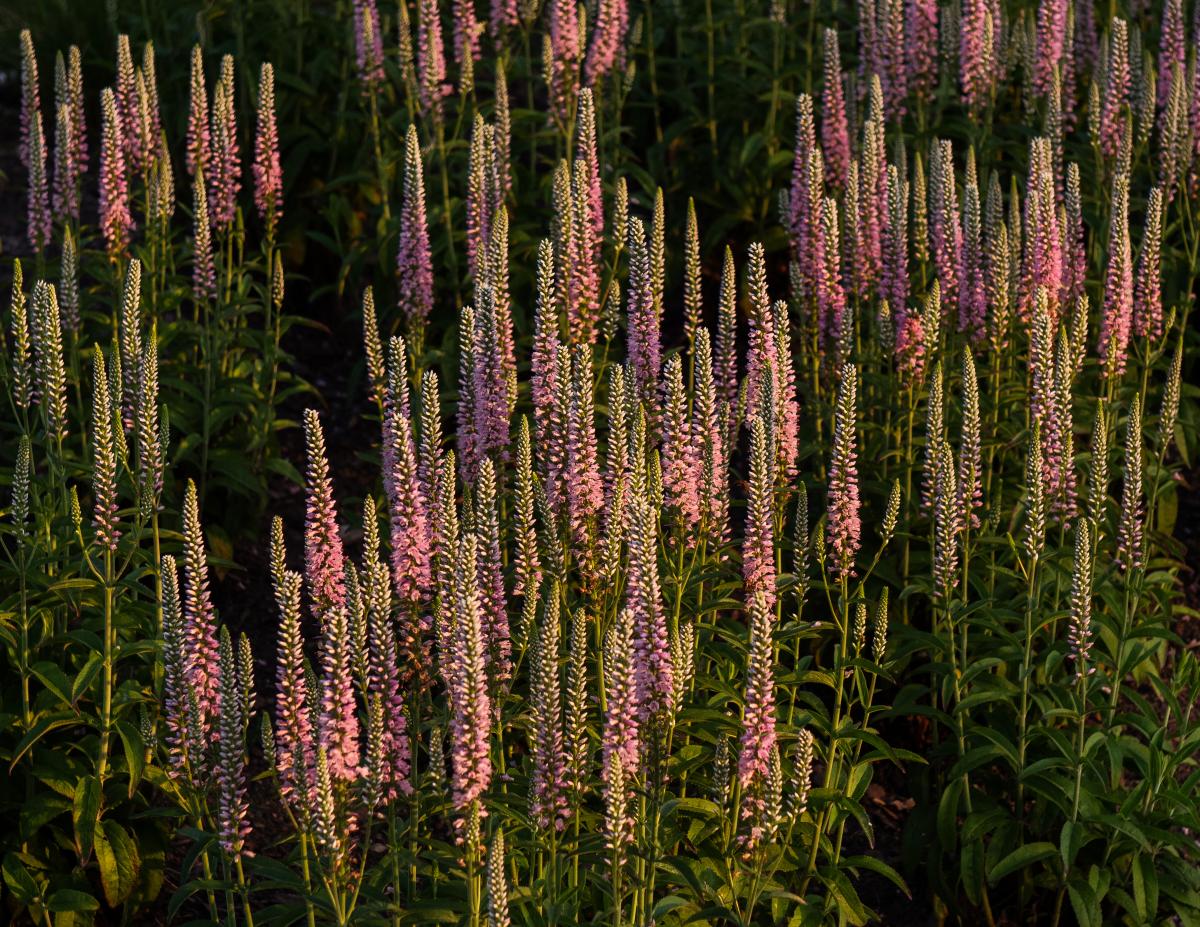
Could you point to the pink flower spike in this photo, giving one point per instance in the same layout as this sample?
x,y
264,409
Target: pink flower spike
x,y
651,644
127,104
383,673
408,506
31,99
606,52
945,231
1116,89
1051,29
368,45
104,457
565,55
268,176
587,158
977,54
835,136
224,178
198,136
115,219
584,488
1042,261
680,458
232,808
758,546
324,560
831,295
481,197
843,525
758,722
338,729
548,783
492,601
972,300
74,100
175,692
38,203
204,272
1117,316
1172,56
414,261
620,739
642,330
295,758
803,226
489,387
465,672
431,59
199,624
504,15
148,101
66,167
1147,295
466,31
921,46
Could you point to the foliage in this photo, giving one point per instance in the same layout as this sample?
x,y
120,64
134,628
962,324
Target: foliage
x,y
633,632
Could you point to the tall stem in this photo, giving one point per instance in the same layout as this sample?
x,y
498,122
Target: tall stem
x,y
244,891
709,32
380,167
107,684
1026,659
834,723
653,68
447,217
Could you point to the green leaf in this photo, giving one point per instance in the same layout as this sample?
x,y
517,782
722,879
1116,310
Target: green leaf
x,y
856,811
286,469
665,906
70,900
19,881
971,866
85,677
85,814
849,906
1067,844
691,805
40,810
135,753
879,867
181,895
119,864
947,815
431,911
1084,903
848,732
1145,887
1022,857
1040,766
54,679
66,585
44,726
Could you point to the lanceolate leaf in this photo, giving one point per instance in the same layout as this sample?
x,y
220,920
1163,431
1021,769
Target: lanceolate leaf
x,y
89,797
1021,858
117,858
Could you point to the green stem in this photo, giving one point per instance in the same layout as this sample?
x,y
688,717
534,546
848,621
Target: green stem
x,y
380,167
447,217
653,69
709,33
244,891
107,683
834,725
